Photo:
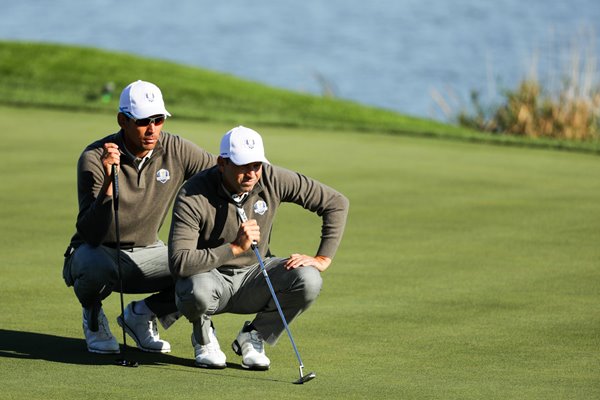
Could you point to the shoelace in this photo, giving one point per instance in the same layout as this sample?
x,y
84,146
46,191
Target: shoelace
x,y
212,346
103,329
152,327
256,341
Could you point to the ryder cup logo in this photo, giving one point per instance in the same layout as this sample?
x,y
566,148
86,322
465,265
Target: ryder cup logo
x,y
260,207
163,175
250,143
150,97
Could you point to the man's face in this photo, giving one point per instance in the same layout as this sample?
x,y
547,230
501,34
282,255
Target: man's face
x,y
239,179
142,135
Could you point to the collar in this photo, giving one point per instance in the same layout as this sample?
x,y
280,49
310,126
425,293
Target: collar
x,y
222,190
130,154
238,200
138,162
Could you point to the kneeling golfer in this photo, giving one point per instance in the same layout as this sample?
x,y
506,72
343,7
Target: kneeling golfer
x,y
153,164
218,214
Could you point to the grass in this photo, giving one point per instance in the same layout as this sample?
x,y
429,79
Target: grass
x,y
70,77
467,271
73,77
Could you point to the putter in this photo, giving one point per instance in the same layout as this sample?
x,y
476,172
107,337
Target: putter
x,y
124,362
303,378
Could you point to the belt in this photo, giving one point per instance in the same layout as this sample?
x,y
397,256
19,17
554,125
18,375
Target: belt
x,y
122,245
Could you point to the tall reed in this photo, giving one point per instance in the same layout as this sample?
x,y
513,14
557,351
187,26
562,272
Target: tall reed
x,y
569,110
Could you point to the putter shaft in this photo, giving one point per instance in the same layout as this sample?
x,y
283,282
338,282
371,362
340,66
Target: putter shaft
x,y
115,173
254,246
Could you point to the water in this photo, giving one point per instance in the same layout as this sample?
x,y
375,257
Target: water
x,y
390,54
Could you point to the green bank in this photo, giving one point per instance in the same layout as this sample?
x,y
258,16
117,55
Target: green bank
x,y
467,271
69,77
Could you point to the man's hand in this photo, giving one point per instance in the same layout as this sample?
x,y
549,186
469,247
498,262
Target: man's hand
x,y
248,233
302,260
111,156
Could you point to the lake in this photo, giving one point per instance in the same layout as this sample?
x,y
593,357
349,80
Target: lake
x,y
390,54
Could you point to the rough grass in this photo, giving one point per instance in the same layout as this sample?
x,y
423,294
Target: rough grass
x,y
467,271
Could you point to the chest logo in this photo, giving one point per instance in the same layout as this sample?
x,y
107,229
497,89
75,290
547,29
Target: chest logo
x,y
260,207
163,175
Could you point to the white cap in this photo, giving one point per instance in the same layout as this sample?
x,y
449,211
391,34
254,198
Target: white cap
x,y
243,146
142,100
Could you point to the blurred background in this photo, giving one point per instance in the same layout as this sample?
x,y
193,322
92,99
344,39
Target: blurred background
x,y
419,57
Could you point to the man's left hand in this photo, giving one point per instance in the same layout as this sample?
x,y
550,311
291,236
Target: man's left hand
x,y
302,260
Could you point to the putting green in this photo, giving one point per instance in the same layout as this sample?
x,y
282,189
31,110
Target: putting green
x,y
467,271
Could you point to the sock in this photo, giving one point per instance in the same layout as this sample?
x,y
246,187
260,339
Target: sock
x,y
140,308
91,315
248,328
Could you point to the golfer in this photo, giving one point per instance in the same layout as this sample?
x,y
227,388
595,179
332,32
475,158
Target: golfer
x,y
152,167
210,251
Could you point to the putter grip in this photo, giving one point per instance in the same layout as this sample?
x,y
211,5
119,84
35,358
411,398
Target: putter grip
x,y
115,179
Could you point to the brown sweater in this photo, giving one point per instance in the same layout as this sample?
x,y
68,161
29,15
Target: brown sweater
x,y
145,196
205,219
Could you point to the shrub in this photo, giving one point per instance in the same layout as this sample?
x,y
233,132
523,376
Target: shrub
x,y
571,111
529,111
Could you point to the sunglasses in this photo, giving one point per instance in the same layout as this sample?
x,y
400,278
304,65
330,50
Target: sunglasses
x,y
146,121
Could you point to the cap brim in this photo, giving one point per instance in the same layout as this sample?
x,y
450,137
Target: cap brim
x,y
149,113
248,160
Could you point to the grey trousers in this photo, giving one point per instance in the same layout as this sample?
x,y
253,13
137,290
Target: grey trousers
x,y
93,273
245,291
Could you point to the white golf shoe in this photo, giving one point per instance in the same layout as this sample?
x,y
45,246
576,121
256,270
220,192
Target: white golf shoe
x,y
102,340
143,330
251,346
209,355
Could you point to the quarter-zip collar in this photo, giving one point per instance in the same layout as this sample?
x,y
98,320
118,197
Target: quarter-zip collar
x,y
130,158
223,192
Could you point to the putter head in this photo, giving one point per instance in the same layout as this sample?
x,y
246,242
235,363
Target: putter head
x,y
126,363
305,378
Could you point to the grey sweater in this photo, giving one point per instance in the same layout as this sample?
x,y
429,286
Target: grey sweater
x,y
145,196
205,219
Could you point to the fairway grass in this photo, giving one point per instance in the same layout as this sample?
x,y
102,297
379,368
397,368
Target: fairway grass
x,y
467,271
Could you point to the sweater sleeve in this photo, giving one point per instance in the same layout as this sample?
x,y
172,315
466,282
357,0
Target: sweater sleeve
x,y
95,208
329,204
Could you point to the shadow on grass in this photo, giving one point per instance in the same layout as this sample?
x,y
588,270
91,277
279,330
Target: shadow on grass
x,y
40,346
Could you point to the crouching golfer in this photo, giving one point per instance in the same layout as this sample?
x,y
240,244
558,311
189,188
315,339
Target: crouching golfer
x,y
210,251
153,165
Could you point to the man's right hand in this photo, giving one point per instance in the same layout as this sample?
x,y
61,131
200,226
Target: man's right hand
x,y
248,233
110,156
